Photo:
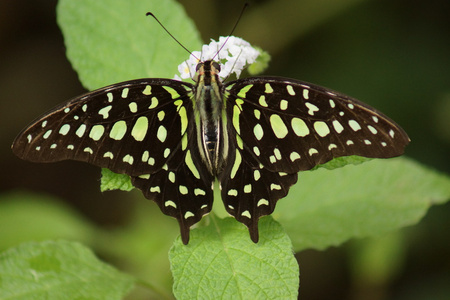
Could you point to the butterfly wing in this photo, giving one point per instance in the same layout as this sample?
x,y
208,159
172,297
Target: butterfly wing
x,y
142,128
282,126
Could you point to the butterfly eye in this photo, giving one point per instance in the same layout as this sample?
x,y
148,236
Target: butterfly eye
x,y
216,66
199,65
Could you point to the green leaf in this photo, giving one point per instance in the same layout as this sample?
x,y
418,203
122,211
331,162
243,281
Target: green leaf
x,y
326,208
221,262
113,181
58,270
114,41
26,216
342,161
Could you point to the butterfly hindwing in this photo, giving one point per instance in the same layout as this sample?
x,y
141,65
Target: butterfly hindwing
x,y
249,190
182,187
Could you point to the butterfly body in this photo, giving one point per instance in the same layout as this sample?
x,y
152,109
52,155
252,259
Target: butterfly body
x,y
174,139
212,130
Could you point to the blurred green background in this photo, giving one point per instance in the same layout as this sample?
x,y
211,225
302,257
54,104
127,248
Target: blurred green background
x,y
391,54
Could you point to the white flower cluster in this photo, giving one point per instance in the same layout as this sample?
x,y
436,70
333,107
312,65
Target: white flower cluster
x,y
235,55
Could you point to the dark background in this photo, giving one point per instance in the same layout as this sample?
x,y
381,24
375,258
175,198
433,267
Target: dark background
x,y
391,54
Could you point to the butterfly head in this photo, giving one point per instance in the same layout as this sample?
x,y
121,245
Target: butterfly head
x,y
206,70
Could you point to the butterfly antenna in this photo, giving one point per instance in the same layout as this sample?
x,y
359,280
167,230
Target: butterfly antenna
x,y
232,30
154,17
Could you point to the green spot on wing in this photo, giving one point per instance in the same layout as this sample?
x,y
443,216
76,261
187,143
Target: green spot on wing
x,y
243,92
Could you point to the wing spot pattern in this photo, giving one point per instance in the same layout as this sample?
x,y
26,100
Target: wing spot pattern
x,y
110,97
279,128
183,190
256,151
274,186
268,88
338,126
391,133
277,153
154,103
246,214
188,215
166,152
299,126
133,107
256,175
306,94
170,203
128,159
321,128
262,202
148,90
332,104
118,130
109,155
311,108
171,177
290,90
237,163
47,134
80,131
97,132
262,101
257,113
161,133
372,129
312,151
125,92
294,156
155,189
258,132
64,130
272,159
105,111
199,192
145,156
354,125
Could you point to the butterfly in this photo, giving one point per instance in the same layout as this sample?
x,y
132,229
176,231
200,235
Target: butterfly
x,y
174,139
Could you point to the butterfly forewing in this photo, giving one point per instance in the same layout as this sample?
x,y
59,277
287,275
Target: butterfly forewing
x,y
291,126
123,127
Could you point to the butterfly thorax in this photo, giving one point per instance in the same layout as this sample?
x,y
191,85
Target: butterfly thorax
x,y
211,135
